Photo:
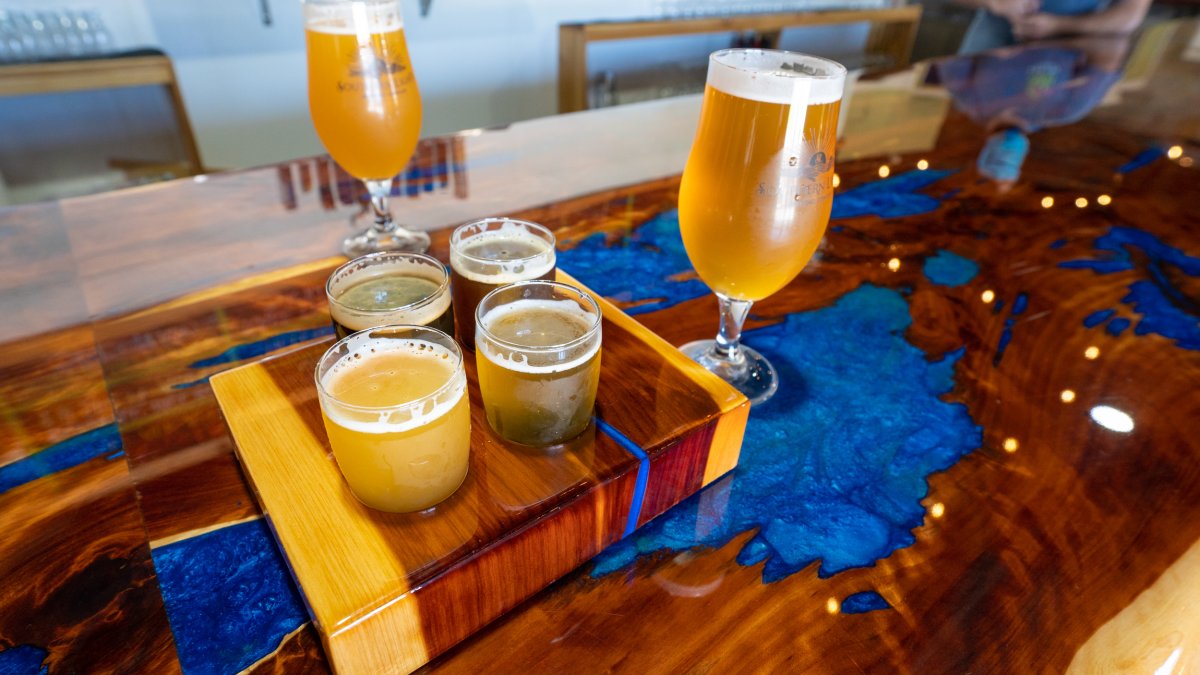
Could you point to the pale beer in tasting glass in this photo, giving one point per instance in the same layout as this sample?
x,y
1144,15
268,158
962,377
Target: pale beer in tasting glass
x,y
389,288
757,191
538,357
490,253
365,105
395,406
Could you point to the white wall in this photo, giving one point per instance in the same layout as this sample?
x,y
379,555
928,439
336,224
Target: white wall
x,y
479,63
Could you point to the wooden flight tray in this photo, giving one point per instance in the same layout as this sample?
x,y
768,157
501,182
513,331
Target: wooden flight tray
x,y
389,592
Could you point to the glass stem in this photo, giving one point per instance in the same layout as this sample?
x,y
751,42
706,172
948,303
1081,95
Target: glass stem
x,y
379,191
729,337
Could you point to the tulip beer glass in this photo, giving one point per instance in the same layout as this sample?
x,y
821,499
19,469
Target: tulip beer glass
x,y
757,191
365,105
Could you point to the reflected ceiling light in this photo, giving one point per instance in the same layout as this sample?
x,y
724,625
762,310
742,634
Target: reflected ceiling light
x,y
1067,395
1010,445
987,296
1081,202
885,171
1047,202
937,510
1175,152
833,606
200,178
836,180
1091,353
1185,162
1168,666
1112,419
1103,200
894,264
922,164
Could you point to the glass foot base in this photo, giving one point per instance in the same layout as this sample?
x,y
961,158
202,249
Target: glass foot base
x,y
374,241
753,374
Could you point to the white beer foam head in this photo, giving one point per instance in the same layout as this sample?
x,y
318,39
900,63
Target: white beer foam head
x,y
352,18
516,360
392,419
499,272
772,76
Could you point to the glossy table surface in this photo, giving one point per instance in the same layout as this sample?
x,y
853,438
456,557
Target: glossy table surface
x,y
982,458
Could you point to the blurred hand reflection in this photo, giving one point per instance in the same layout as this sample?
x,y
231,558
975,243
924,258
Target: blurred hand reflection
x,y
1016,91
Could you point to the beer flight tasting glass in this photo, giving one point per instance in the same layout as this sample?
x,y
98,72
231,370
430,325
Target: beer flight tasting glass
x,y
490,253
389,288
365,105
757,191
396,410
538,358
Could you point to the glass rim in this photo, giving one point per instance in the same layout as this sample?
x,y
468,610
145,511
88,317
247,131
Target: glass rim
x,y
451,344
837,70
443,285
592,329
456,238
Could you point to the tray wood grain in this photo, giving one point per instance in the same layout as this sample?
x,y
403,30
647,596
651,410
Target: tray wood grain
x,y
388,592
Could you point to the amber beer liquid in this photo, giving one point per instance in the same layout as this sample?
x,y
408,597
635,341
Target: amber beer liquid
x,y
488,254
361,90
397,415
758,187
390,288
538,358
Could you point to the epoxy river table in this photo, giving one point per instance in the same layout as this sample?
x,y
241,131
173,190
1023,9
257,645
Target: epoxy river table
x,y
984,455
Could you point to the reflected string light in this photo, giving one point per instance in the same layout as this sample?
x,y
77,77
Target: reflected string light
x,y
1047,202
1104,200
1010,445
893,264
922,164
833,606
1081,202
987,296
1067,395
937,510
1185,162
1112,419
1175,152
1091,353
837,180
885,171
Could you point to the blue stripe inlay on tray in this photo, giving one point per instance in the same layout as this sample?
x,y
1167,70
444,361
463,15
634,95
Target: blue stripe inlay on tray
x,y
639,489
65,454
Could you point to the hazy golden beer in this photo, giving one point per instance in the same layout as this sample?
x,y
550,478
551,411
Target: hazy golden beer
x,y
361,90
538,357
390,288
395,408
758,186
490,253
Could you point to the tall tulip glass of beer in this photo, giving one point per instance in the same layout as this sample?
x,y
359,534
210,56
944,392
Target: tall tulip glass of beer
x,y
757,191
365,105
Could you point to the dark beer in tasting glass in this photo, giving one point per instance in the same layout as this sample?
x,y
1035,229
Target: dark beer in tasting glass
x,y
495,252
390,288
